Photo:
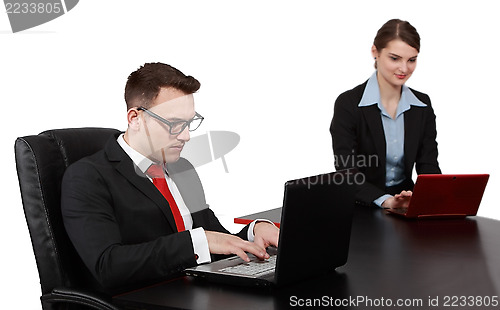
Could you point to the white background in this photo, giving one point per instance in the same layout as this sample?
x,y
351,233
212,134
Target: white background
x,y
270,71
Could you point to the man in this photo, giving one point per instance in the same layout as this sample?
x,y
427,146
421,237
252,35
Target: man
x,y
131,226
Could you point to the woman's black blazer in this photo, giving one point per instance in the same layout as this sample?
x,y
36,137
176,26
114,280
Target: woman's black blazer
x,y
359,141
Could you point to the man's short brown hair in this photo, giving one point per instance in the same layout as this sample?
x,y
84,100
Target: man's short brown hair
x,y
144,84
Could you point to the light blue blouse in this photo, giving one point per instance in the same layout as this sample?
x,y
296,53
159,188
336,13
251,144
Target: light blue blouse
x,y
394,130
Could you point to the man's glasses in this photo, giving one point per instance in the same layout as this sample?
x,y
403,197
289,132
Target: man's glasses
x,y
177,127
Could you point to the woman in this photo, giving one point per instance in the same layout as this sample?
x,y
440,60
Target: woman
x,y
384,128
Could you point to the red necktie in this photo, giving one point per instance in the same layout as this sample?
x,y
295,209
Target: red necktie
x,y
156,173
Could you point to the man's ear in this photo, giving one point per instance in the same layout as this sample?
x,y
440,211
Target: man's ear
x,y
134,119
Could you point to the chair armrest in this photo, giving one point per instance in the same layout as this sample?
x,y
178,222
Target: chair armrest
x,y
76,296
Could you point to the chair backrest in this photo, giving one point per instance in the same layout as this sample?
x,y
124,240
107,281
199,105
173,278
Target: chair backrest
x,y
41,161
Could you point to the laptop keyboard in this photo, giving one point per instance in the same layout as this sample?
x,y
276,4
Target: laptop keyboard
x,y
253,267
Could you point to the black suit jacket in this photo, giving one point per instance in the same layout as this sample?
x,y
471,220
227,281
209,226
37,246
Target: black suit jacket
x,y
359,141
122,226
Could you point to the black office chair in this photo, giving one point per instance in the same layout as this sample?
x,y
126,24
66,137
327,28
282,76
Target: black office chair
x,y
41,161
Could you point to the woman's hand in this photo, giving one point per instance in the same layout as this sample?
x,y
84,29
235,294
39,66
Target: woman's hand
x,y
399,201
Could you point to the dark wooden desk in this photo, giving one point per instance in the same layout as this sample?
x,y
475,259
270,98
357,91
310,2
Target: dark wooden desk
x,y
391,260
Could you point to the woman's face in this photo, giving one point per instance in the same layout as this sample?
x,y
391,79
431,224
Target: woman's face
x,y
395,63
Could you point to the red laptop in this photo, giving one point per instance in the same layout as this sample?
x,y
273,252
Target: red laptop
x,y
445,195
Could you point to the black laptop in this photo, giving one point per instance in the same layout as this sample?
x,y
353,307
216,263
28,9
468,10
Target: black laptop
x,y
315,230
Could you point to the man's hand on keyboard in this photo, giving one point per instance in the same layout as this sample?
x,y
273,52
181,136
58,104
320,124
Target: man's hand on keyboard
x,y
266,234
220,243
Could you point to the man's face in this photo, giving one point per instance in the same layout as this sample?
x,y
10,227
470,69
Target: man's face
x,y
157,143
